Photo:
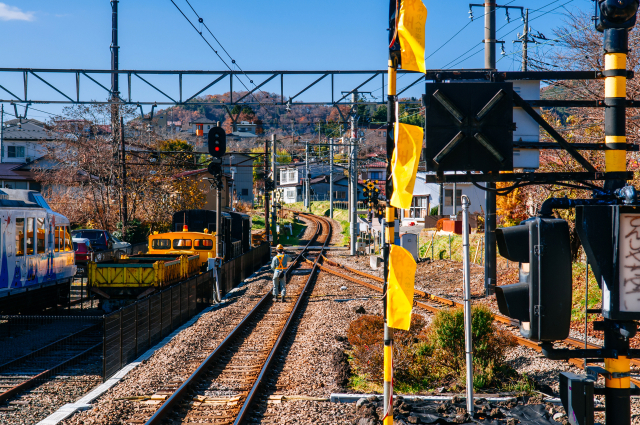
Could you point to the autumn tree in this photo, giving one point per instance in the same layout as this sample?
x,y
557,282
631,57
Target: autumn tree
x,y
82,171
578,46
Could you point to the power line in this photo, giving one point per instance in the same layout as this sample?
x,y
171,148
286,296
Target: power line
x,y
233,61
532,19
216,52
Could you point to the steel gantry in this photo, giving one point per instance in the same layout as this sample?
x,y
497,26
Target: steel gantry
x,y
164,94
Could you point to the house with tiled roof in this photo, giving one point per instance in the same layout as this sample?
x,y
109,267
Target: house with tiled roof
x,y
23,143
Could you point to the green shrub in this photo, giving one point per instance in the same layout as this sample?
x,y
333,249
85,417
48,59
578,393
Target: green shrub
x,y
444,345
425,357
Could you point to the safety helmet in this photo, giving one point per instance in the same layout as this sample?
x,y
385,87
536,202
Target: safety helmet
x,y
280,247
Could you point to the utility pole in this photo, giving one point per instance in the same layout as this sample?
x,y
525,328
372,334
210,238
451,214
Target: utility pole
x,y
525,40
490,274
525,36
115,90
307,201
331,178
354,195
124,210
266,193
490,7
1,132
274,171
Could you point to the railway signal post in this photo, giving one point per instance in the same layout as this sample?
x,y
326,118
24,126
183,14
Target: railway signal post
x,y
609,229
407,19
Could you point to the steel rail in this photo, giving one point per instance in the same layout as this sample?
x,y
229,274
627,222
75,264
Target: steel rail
x,y
180,393
31,382
451,303
246,407
47,347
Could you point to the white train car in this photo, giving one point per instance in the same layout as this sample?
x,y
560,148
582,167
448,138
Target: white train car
x,y
37,261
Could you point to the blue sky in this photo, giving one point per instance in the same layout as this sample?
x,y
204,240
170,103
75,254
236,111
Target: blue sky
x,y
260,35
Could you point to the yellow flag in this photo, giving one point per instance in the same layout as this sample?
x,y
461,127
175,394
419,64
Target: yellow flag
x,y
404,163
413,16
402,273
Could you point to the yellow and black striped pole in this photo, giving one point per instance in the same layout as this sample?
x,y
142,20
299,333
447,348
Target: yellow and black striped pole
x,y
390,215
617,383
615,92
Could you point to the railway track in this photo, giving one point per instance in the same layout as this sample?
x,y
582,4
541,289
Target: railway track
x,y
226,386
27,371
338,269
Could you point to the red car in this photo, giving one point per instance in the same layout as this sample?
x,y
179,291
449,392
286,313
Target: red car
x,y
86,252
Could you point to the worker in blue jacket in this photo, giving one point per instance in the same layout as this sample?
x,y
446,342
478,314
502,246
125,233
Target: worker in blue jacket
x,y
279,267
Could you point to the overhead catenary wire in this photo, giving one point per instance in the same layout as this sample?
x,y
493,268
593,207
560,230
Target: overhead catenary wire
x,y
456,61
217,54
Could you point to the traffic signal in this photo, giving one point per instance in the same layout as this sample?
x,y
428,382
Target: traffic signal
x,y
217,140
541,301
618,14
214,168
269,185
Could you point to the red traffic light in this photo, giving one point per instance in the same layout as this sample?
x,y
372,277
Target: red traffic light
x,y
217,141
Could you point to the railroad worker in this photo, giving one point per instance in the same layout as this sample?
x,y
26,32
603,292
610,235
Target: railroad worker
x,y
279,266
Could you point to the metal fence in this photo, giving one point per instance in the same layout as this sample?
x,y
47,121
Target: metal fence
x,y
132,330
241,267
42,342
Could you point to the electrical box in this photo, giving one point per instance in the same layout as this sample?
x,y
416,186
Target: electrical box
x,y
527,130
409,241
576,393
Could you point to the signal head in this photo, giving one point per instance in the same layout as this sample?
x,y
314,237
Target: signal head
x,y
217,141
620,14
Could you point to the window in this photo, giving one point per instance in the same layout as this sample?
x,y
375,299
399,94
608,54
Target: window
x,y
182,244
31,224
15,185
56,241
19,237
291,194
245,192
67,239
292,176
341,195
40,244
448,201
15,151
376,175
203,244
161,244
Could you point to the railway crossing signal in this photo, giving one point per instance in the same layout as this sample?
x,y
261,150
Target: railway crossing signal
x,y
471,133
541,301
217,141
371,194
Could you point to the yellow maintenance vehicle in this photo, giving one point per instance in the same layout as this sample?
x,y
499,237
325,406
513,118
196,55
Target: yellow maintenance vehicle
x,y
172,258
